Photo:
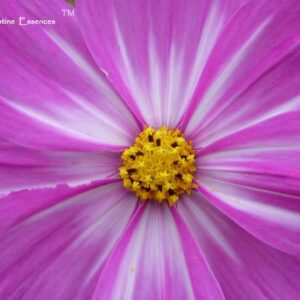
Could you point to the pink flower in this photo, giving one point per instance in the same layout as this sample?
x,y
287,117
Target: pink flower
x,y
75,94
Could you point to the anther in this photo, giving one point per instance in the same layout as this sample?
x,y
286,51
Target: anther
x,y
171,192
178,175
131,171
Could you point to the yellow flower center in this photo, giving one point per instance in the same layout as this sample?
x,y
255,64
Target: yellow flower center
x,y
159,166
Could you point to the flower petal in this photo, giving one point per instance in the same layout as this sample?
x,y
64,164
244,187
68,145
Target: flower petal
x,y
252,73
23,168
153,52
245,267
58,251
62,101
269,148
253,176
156,260
272,217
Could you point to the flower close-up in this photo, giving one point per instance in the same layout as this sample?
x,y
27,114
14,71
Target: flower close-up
x,y
150,149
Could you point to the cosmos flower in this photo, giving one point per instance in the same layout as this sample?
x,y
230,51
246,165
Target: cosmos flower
x,y
150,150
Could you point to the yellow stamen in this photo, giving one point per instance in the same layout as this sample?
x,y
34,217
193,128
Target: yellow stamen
x,y
159,166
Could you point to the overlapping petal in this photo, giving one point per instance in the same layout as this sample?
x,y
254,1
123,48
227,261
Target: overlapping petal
x,y
52,94
23,168
156,258
252,73
245,267
56,241
253,176
154,52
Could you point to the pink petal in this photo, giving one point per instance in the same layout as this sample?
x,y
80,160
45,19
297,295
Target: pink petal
x,y
272,217
153,52
62,100
252,73
156,258
245,267
23,168
58,251
269,148
253,176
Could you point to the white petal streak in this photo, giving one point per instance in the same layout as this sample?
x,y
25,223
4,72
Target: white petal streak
x,y
170,84
150,248
156,81
94,111
105,95
39,116
291,105
78,60
213,230
129,74
210,33
243,202
180,82
213,94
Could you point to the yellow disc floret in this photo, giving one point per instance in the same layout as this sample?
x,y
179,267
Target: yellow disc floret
x,y
159,166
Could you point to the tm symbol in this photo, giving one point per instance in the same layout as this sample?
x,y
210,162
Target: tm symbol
x,y
68,12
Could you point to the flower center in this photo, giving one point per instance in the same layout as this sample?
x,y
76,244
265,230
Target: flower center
x,y
159,166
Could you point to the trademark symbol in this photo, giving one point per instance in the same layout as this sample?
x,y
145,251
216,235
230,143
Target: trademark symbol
x,y
68,12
